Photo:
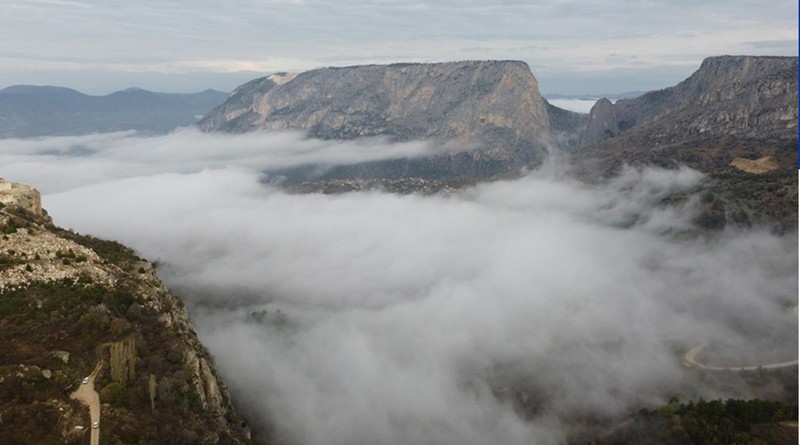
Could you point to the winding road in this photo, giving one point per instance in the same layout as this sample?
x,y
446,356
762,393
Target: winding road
x,y
690,359
89,397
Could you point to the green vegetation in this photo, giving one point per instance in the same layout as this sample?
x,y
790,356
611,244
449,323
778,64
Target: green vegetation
x,y
708,422
69,256
151,395
110,251
8,261
113,393
10,227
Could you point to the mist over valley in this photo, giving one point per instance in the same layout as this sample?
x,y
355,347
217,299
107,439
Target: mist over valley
x,y
402,250
500,312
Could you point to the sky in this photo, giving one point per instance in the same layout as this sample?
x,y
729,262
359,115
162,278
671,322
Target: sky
x,y
604,46
381,318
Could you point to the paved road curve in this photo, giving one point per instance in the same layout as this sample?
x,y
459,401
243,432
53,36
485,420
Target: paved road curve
x,y
89,397
689,359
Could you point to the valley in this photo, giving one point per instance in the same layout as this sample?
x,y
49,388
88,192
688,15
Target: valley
x,y
413,253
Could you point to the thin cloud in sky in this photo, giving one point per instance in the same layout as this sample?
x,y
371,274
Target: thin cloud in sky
x,y
557,38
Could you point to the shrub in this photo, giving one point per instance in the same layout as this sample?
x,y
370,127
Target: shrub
x,y
113,393
10,227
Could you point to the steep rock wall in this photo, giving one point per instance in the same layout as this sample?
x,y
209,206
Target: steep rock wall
x,y
745,96
495,105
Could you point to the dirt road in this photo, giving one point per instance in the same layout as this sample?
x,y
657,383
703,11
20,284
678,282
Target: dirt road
x,y
89,397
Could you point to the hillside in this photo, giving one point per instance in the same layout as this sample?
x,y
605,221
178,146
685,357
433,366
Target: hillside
x,y
743,96
28,111
732,114
70,302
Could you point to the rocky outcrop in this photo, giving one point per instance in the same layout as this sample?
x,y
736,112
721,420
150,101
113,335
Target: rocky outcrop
x,y
21,195
242,100
743,96
734,119
494,106
69,301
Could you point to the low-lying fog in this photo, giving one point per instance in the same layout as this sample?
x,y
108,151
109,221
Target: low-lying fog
x,y
386,319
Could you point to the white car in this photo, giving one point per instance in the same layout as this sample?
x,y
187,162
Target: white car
x,y
85,380
96,424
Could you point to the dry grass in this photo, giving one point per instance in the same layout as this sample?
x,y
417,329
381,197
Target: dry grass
x,y
756,166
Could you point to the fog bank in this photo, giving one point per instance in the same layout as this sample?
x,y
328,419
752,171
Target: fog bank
x,y
492,315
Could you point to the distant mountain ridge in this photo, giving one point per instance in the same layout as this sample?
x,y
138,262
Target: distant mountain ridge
x,y
595,96
29,111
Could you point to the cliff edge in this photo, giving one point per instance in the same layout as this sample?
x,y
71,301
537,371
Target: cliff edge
x,y
69,302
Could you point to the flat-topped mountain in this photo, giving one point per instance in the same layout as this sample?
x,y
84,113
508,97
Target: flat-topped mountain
x,y
735,119
27,111
71,304
494,105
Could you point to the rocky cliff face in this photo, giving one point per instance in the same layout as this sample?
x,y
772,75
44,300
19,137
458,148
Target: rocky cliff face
x,y
743,96
67,302
22,196
241,101
494,105
735,119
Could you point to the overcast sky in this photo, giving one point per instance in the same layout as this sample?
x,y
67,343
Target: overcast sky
x,y
572,47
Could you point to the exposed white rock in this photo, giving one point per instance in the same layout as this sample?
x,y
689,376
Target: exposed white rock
x,y
21,195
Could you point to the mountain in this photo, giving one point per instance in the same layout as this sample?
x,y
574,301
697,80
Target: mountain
x,y
743,96
495,105
71,304
28,111
735,119
566,126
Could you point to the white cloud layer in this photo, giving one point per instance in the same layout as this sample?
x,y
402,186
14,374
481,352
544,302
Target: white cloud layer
x,y
64,162
403,317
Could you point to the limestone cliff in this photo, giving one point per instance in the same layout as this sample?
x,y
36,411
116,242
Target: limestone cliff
x,y
21,195
68,301
733,113
743,96
492,105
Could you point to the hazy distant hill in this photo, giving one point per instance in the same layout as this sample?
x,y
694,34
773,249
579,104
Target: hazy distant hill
x,y
593,96
27,111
